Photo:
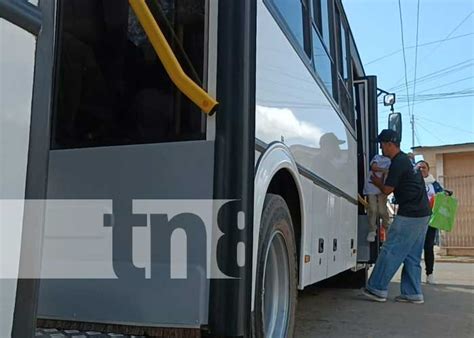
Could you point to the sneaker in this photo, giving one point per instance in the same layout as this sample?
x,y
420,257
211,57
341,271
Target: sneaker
x,y
371,236
430,279
403,299
373,296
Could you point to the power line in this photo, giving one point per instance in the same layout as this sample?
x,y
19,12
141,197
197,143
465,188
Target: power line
x,y
446,125
464,92
403,47
456,92
414,77
386,112
446,84
440,73
416,54
437,98
447,70
441,42
417,136
419,45
432,134
430,96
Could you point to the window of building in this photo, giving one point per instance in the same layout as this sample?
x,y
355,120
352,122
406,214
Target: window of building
x,y
111,87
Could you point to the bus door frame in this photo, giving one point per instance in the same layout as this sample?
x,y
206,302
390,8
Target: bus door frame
x,y
39,21
368,252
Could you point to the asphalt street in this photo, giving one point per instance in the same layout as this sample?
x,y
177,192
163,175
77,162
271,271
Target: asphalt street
x,y
448,310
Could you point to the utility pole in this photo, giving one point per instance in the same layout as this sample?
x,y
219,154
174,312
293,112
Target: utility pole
x,y
412,121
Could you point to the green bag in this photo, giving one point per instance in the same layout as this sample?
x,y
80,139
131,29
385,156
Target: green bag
x,y
444,212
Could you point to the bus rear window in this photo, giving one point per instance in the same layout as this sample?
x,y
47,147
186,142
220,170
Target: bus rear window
x,y
111,88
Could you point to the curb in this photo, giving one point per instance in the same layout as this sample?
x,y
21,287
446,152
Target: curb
x,y
447,259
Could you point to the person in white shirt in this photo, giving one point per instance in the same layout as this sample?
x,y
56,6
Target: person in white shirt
x,y
432,188
377,200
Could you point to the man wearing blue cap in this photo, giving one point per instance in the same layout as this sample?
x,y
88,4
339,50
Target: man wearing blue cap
x,y
407,232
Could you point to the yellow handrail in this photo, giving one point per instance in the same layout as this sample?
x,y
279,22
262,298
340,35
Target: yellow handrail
x,y
184,83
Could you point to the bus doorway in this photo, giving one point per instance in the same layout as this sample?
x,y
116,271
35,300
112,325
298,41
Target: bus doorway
x,y
365,89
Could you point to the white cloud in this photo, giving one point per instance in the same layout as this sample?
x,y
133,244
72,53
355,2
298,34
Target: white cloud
x,y
273,123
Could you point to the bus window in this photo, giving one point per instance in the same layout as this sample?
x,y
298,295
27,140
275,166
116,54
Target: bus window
x,y
293,11
321,20
344,76
111,88
322,61
321,43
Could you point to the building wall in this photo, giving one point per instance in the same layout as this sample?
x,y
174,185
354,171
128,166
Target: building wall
x,y
459,164
453,167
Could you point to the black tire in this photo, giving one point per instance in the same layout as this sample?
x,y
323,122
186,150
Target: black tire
x,y
275,218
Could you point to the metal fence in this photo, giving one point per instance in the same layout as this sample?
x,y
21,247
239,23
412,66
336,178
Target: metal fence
x,y
462,235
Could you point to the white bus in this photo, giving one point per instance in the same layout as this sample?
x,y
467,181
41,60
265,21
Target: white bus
x,y
263,104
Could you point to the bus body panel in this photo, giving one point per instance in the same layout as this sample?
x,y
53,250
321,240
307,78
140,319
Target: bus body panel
x,y
293,109
120,175
17,64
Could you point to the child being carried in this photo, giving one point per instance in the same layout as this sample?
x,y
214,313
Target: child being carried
x,y
377,200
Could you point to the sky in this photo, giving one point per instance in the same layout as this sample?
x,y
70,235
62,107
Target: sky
x,y
442,67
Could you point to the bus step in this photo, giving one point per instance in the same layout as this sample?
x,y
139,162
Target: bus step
x,y
55,333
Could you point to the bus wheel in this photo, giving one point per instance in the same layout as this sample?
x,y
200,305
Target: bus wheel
x,y
276,279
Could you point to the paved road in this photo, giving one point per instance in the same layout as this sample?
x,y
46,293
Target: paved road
x,y
448,310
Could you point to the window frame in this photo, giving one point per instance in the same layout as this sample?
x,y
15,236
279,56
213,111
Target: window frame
x,y
320,35
285,27
339,23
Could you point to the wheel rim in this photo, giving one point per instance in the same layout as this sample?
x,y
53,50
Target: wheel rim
x,y
276,292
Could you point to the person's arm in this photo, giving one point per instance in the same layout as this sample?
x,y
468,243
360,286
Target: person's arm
x,y
393,177
439,188
378,182
376,169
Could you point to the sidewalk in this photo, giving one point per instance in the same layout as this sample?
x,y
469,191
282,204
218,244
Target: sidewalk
x,y
442,258
453,259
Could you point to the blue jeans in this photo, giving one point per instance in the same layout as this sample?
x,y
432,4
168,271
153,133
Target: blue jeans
x,y
404,244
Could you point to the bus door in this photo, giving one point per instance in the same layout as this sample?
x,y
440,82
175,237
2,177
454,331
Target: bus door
x,y
16,88
367,122
26,45
112,132
124,138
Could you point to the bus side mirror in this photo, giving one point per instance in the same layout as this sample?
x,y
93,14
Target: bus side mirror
x,y
395,123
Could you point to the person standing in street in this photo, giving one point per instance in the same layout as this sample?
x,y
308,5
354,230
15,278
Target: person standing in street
x,y
406,235
432,188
